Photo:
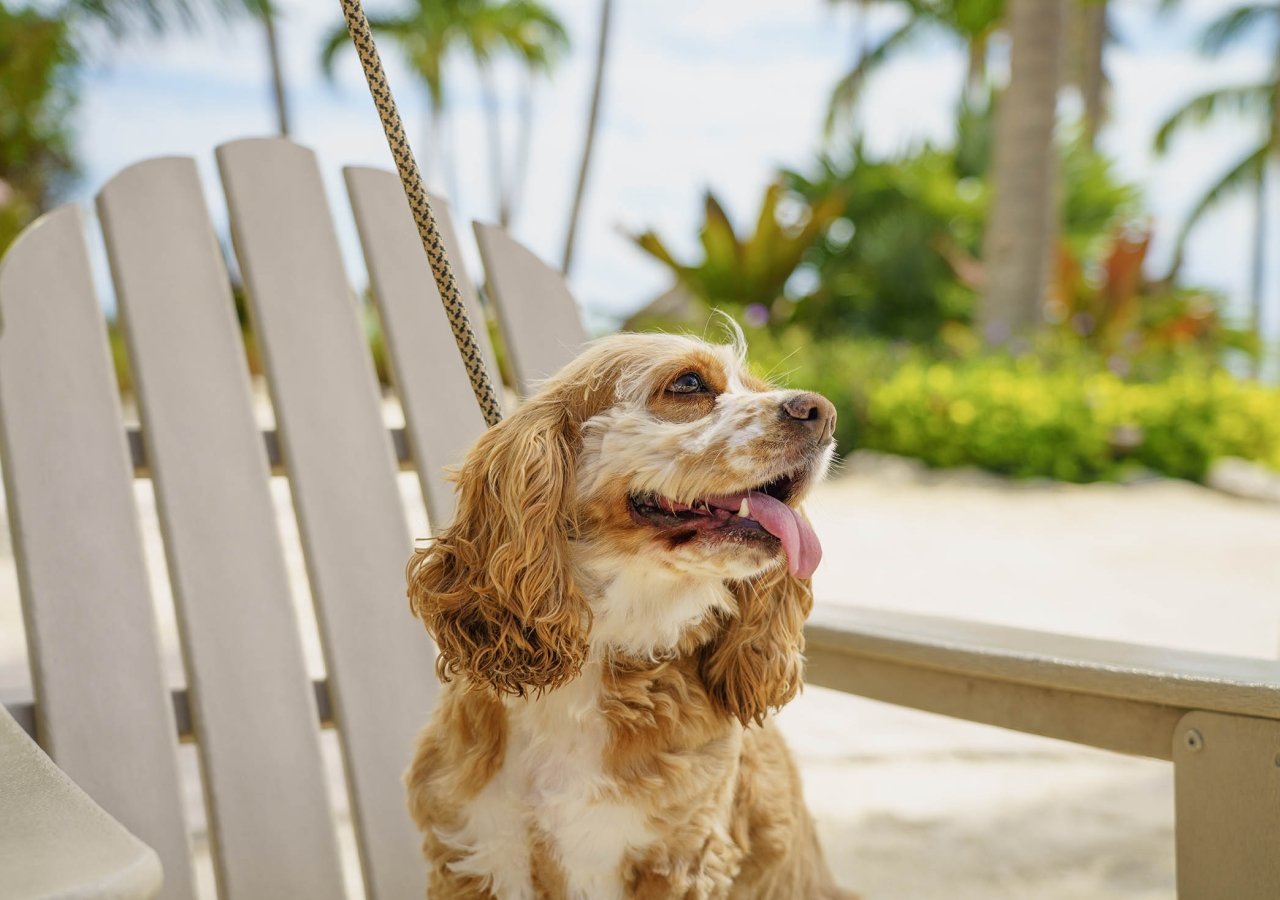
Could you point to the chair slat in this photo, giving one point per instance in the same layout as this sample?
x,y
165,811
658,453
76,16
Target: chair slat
x,y
541,327
340,461
253,708
103,710
441,415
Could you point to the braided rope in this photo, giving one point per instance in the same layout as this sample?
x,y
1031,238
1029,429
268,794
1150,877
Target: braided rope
x,y
411,178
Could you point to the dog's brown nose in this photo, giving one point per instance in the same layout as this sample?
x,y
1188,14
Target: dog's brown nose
x,y
814,411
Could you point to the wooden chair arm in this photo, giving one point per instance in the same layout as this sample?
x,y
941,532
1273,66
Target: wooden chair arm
x,y
55,841
1123,697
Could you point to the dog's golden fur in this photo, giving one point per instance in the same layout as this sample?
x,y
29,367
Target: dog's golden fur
x,y
604,727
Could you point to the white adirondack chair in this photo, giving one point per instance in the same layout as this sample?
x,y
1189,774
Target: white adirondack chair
x,y
102,709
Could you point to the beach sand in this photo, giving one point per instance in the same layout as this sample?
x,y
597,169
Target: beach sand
x,y
912,805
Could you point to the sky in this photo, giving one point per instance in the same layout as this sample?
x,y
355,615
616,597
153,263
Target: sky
x,y
711,94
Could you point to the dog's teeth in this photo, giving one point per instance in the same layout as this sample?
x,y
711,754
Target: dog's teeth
x,y
744,511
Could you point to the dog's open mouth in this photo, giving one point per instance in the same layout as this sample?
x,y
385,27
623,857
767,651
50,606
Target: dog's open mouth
x,y
760,513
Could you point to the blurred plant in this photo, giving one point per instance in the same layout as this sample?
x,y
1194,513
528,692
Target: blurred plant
x,y
902,260
1058,413
1023,222
43,47
1260,101
588,141
1087,35
749,276
37,96
886,267
126,18
1117,312
269,16
1073,421
900,257
430,31
973,22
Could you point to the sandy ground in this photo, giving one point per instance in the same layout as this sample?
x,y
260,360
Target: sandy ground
x,y
917,806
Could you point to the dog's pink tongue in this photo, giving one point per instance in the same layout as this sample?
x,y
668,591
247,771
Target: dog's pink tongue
x,y
787,525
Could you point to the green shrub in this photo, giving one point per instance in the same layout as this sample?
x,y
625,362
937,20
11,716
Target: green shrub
x,y
1062,416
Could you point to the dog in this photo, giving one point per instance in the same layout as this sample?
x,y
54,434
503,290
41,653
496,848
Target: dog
x,y
618,606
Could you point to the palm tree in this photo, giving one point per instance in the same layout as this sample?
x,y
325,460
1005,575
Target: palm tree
x,y
1260,100
279,96
1021,233
155,17
38,94
593,117
973,22
432,30
536,38
1087,36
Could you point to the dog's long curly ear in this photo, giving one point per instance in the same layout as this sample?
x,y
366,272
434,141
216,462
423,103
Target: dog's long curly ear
x,y
755,663
495,589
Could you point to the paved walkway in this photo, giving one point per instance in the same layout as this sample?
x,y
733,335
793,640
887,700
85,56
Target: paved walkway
x,y
913,806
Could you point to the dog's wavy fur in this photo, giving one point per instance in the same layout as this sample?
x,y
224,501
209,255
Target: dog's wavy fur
x,y
590,747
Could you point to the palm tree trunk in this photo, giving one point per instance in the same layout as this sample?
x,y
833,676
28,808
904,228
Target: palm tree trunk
x,y
439,144
1021,232
861,31
1257,312
593,115
431,141
277,71
976,75
493,121
524,144
1092,37
449,157
1257,275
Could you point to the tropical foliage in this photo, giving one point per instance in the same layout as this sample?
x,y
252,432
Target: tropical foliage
x,y
889,247
971,22
43,49
1056,413
1125,316
1258,101
37,97
749,275
430,32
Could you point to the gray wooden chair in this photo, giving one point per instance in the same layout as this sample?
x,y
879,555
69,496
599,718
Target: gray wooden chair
x,y
106,716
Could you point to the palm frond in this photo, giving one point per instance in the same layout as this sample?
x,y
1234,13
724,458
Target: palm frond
x,y
1235,24
526,28
1249,99
847,90
1244,173
124,17
719,240
650,243
337,39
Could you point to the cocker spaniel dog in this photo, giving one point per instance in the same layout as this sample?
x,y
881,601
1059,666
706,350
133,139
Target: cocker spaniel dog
x,y
618,607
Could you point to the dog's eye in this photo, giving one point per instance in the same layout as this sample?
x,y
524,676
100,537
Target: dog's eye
x,y
688,383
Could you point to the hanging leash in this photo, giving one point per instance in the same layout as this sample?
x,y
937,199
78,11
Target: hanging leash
x,y
411,180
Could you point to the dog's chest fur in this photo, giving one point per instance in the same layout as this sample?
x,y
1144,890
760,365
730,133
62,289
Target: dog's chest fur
x,y
552,798
618,784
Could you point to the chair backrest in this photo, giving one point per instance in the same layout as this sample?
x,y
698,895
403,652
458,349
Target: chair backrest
x,y
102,708
540,324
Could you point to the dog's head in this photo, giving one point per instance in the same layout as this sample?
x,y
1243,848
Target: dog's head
x,y
649,452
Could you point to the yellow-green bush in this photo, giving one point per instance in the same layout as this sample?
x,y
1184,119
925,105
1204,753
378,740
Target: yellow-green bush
x,y
1068,418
